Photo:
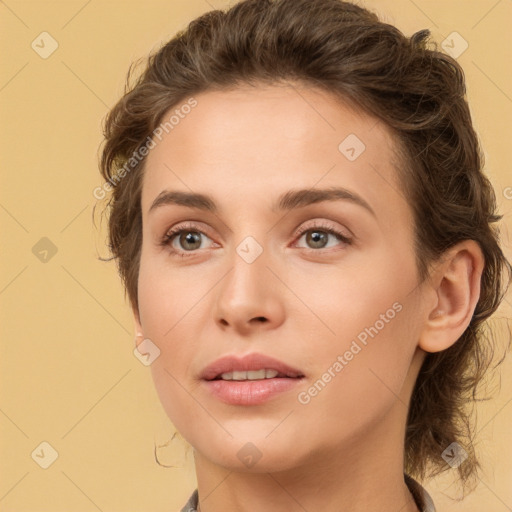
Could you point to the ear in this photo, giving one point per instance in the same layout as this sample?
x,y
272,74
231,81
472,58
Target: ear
x,y
139,333
456,290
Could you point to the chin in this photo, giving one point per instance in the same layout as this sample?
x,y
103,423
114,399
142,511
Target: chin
x,y
250,454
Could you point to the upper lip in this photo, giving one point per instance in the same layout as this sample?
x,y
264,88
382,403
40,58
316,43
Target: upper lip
x,y
249,362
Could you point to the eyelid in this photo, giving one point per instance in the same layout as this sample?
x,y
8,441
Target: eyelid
x,y
191,225
323,225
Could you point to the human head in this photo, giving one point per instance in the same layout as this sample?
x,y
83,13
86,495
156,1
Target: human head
x,y
415,91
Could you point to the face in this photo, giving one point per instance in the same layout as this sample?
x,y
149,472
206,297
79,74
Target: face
x,y
325,284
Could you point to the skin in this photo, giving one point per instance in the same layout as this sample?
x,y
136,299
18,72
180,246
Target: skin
x,y
344,449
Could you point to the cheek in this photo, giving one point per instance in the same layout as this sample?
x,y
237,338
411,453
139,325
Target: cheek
x,y
165,296
173,304
340,305
168,317
357,383
364,342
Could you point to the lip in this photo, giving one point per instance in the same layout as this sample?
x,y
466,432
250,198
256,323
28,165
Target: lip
x,y
249,392
247,363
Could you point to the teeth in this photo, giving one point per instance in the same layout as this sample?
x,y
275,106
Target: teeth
x,y
250,375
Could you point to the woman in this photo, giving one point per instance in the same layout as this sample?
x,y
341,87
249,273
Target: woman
x,y
304,231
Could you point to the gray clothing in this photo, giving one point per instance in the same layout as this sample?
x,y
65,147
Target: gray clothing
x,y
420,494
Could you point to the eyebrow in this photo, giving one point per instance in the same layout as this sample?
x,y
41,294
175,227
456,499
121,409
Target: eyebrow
x,y
287,201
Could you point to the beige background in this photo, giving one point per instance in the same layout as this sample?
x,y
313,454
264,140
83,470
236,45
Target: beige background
x,y
68,373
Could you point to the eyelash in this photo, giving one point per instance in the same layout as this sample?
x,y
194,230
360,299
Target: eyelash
x,y
171,234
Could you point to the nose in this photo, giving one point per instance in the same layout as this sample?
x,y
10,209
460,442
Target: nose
x,y
249,297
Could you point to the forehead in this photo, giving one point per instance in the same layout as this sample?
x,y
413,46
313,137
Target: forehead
x,y
257,142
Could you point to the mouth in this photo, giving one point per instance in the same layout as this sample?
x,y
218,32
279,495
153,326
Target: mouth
x,y
263,374
250,380
249,367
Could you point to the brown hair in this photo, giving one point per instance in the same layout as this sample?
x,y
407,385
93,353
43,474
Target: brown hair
x,y
417,91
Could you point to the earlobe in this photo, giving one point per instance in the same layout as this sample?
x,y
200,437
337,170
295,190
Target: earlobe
x,y
457,289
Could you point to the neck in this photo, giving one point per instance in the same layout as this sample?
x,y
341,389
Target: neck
x,y
364,474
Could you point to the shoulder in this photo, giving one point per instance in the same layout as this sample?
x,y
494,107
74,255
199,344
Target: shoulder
x,y
191,505
420,494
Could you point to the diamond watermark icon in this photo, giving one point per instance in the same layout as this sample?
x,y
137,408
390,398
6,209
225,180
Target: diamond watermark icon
x,y
44,250
249,454
146,352
249,249
44,45
454,455
454,45
45,455
351,147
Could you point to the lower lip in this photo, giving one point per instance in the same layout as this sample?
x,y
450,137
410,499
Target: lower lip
x,y
250,392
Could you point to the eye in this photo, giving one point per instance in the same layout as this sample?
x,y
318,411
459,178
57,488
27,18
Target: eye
x,y
317,236
187,237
